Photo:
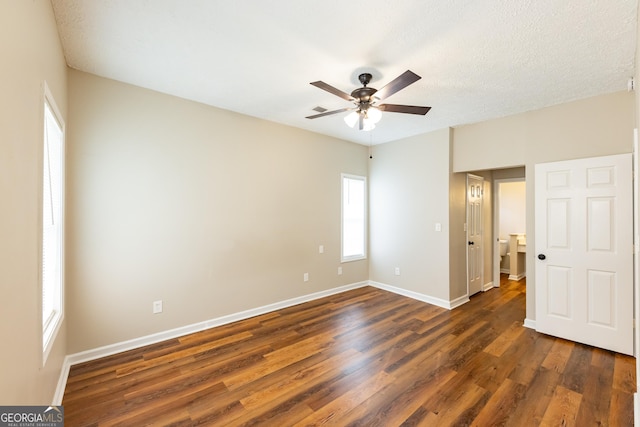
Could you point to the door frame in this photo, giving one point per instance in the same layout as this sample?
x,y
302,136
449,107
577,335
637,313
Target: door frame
x,y
636,268
496,226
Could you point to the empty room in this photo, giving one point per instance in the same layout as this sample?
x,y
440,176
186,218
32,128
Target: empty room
x,y
319,213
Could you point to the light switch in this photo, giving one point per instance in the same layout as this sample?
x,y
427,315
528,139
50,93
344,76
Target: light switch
x,y
157,307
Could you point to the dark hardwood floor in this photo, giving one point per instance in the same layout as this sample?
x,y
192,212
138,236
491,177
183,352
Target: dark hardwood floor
x,y
365,357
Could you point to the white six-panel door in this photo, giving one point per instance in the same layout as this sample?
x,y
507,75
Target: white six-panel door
x,y
475,258
584,251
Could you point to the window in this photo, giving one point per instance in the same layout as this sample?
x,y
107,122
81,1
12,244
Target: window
x,y
52,223
354,214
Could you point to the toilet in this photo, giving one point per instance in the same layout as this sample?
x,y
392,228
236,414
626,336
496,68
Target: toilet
x,y
503,248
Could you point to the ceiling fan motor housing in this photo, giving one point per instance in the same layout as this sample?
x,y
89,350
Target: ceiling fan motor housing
x,y
364,94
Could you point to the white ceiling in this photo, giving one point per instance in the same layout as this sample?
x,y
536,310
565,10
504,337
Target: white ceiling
x,y
478,59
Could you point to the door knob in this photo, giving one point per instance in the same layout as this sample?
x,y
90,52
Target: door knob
x,y
541,257
471,243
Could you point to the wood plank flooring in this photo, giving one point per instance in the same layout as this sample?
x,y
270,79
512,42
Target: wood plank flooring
x,y
365,357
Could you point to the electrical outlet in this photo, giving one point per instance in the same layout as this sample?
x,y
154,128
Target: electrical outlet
x,y
157,307
438,226
306,277
397,271
339,271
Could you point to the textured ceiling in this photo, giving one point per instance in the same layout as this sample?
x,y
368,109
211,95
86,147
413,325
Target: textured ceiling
x,y
478,59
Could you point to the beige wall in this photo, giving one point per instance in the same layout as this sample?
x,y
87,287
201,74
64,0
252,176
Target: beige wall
x,y
517,172
597,126
130,175
31,54
492,144
409,195
513,216
210,211
457,231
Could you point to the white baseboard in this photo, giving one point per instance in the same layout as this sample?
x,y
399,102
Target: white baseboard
x,y
531,324
505,270
108,350
487,286
450,305
458,302
62,382
517,277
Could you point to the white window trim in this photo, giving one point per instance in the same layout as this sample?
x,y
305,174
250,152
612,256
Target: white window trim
x,y
366,215
50,331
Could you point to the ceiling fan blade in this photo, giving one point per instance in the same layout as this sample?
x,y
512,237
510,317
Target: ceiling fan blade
x,y
328,113
333,90
399,83
409,109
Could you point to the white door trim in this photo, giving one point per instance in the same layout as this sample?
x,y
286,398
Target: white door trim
x,y
636,269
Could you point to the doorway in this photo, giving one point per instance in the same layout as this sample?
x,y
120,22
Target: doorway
x,y
509,228
484,265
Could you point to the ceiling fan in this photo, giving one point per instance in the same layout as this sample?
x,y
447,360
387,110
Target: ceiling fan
x,y
367,111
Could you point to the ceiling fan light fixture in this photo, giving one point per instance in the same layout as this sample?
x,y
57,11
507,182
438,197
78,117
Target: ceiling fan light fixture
x,y
351,119
374,114
368,125
368,120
